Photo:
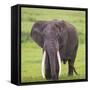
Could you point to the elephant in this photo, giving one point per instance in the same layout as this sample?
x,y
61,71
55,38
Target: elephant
x,y
59,42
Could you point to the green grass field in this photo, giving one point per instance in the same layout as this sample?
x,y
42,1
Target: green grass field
x,y
31,53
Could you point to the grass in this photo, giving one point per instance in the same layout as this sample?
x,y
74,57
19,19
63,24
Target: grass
x,y
31,64
31,53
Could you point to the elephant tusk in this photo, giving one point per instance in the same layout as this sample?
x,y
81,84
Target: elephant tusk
x,y
59,61
43,62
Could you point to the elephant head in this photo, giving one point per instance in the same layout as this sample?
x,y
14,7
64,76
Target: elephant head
x,y
52,37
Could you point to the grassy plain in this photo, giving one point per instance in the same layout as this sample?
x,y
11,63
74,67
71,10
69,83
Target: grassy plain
x,y
31,53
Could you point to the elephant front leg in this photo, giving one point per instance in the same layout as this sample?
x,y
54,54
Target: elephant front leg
x,y
47,68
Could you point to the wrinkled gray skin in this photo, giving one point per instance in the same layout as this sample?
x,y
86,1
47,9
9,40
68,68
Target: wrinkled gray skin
x,y
52,36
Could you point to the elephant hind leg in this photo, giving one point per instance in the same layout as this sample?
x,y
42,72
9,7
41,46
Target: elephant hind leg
x,y
47,68
70,67
71,64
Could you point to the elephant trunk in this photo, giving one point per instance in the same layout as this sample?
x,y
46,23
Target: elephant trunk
x,y
55,63
54,60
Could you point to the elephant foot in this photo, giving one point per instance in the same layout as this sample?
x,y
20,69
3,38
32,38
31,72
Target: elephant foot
x,y
48,74
48,77
70,74
54,78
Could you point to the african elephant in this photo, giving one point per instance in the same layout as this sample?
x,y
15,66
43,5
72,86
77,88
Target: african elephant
x,y
59,41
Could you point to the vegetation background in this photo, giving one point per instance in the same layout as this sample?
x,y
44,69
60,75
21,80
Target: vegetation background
x,y
31,53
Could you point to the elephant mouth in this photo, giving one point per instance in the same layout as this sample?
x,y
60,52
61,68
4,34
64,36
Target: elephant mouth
x,y
43,63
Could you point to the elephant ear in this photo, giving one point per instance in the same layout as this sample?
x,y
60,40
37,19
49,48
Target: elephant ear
x,y
37,32
62,32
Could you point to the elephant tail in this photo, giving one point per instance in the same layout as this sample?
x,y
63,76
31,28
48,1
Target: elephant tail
x,y
74,69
